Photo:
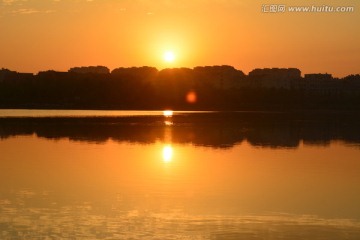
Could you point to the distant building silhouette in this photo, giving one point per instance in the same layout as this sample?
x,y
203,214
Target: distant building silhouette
x,y
352,84
275,77
322,83
215,87
134,73
220,77
5,73
8,75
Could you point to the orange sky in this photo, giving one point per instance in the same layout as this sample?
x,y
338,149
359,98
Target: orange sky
x,y
39,35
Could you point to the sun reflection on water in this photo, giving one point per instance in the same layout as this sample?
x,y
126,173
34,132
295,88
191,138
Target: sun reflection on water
x,y
167,153
168,123
168,113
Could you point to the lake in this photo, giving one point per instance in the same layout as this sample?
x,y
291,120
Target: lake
x,y
186,175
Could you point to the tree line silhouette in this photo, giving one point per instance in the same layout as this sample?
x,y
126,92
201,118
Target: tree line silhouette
x,y
200,88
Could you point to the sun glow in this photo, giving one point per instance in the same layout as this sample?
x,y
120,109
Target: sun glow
x,y
167,153
169,56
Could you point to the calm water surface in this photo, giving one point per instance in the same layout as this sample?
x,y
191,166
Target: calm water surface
x,y
189,176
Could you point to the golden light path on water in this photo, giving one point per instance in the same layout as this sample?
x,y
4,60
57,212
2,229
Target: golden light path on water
x,y
167,153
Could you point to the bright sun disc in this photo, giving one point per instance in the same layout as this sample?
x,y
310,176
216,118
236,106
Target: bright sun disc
x,y
169,56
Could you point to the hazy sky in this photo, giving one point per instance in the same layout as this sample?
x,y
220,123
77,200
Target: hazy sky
x,y
39,35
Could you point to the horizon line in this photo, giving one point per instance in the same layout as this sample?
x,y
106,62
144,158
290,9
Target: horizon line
x,y
160,69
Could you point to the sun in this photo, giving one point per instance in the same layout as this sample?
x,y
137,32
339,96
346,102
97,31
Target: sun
x,y
169,56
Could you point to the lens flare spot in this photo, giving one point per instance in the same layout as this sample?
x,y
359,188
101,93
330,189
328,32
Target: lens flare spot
x,y
191,97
